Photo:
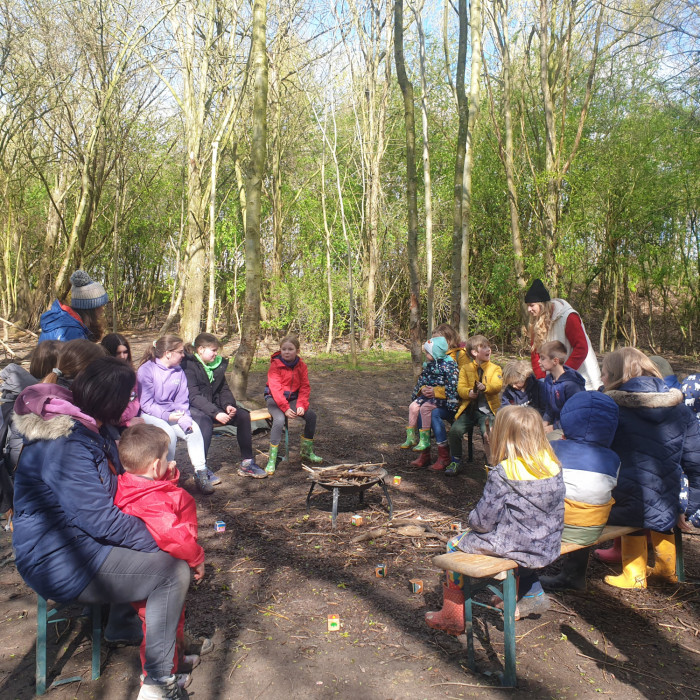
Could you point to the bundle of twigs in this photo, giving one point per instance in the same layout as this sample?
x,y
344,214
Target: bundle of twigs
x,y
345,474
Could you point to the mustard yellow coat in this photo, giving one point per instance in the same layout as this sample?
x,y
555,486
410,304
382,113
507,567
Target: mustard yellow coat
x,y
492,379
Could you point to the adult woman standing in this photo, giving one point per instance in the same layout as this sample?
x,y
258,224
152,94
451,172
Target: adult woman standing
x,y
71,542
555,319
84,318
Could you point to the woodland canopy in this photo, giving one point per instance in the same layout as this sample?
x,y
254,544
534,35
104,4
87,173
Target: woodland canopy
x,y
295,165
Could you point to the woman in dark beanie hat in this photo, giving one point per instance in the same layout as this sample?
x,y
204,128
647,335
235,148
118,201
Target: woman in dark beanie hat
x,y
83,318
555,319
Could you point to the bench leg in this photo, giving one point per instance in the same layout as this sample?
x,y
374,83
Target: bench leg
x,y
469,622
96,640
680,565
41,625
509,602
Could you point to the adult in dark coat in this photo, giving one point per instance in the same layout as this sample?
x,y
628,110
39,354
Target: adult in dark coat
x,y
658,441
71,542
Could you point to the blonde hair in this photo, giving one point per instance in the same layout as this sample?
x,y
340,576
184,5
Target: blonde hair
x,y
518,434
448,333
625,363
516,371
539,325
476,342
73,357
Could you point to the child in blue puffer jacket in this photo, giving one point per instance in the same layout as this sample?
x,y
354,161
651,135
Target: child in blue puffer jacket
x,y
435,390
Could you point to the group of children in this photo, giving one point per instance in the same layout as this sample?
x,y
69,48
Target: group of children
x,y
468,392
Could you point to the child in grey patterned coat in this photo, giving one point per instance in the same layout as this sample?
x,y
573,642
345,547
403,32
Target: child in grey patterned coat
x,y
520,515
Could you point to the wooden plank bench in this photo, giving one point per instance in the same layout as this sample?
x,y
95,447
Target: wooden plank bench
x,y
497,575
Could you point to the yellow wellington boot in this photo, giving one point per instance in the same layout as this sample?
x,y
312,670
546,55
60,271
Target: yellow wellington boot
x,y
664,570
634,563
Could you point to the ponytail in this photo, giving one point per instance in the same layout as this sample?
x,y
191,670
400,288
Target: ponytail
x,y
159,347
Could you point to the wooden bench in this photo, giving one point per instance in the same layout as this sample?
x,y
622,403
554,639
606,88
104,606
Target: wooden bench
x,y
497,575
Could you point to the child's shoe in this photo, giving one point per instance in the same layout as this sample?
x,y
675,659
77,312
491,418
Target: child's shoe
x,y
453,468
451,618
214,480
424,442
612,555
163,689
201,479
271,465
443,459
410,439
250,468
307,450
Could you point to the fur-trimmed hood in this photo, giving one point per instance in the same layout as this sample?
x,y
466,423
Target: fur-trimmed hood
x,y
52,406
645,392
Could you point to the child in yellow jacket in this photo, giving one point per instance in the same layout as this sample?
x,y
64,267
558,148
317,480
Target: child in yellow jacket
x,y
479,386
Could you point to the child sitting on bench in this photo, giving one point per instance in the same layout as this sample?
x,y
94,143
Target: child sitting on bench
x,y
520,515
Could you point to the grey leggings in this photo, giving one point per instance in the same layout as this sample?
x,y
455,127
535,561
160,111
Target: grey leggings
x,y
127,576
277,414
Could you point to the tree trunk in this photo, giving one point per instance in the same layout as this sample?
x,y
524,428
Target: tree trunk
x,y
411,194
250,326
211,306
463,113
475,23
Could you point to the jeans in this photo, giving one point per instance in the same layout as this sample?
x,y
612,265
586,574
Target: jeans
x,y
436,423
242,422
277,414
194,440
127,576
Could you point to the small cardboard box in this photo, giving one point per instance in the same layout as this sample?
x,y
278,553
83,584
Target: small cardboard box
x,y
397,480
416,585
380,570
333,623
456,527
219,526
357,520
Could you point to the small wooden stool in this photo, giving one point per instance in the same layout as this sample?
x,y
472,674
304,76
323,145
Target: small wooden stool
x,y
46,617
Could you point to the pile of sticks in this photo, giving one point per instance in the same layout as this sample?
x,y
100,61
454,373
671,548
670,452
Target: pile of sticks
x,y
346,474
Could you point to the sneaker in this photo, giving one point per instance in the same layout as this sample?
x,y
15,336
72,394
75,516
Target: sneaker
x,y
183,679
165,689
201,479
213,478
453,468
250,468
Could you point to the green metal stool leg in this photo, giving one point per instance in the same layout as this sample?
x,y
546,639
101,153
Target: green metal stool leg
x,y
680,565
509,602
469,622
96,640
41,625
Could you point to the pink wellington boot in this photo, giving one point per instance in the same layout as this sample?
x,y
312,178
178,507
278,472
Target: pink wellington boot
x,y
451,618
612,555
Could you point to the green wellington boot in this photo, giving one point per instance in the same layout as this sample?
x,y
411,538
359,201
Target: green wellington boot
x,y
424,442
307,450
410,439
272,459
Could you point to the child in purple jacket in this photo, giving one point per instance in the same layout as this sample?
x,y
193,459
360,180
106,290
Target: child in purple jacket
x,y
165,402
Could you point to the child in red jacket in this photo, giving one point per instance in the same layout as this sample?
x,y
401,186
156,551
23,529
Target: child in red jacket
x,y
149,491
287,396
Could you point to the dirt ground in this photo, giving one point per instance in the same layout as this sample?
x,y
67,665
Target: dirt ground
x,y
276,574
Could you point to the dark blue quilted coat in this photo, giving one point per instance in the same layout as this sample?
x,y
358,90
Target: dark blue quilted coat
x,y
657,439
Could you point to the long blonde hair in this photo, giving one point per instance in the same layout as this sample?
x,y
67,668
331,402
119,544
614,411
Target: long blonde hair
x,y
518,434
624,363
539,325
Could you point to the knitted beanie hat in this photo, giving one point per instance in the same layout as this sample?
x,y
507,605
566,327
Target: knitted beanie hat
x,y
86,294
537,293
